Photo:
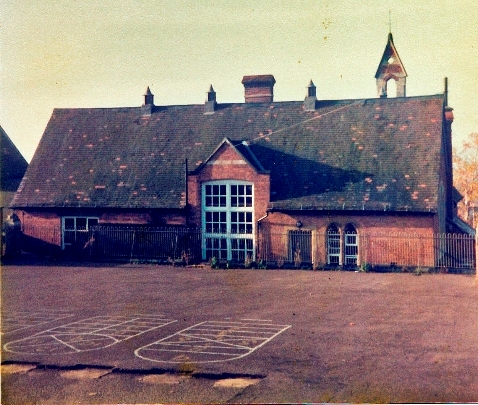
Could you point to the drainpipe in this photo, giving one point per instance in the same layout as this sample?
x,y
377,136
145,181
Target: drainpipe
x,y
186,206
257,230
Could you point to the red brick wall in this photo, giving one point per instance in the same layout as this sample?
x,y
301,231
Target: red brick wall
x,y
259,94
46,225
227,164
43,226
372,247
420,224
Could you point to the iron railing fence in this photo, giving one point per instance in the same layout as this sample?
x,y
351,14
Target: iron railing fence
x,y
452,251
142,243
293,248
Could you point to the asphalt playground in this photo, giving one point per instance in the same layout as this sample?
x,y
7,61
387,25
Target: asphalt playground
x,y
146,334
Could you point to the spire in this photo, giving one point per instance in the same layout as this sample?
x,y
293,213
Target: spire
x,y
390,68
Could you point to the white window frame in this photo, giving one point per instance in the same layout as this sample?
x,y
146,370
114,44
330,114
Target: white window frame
x,y
334,251
227,234
351,241
75,228
345,247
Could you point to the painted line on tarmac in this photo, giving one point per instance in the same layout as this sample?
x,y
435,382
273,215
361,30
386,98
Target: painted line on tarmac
x,y
212,341
88,334
16,321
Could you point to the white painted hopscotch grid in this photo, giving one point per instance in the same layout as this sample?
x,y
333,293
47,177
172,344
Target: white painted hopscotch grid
x,y
212,341
89,334
16,321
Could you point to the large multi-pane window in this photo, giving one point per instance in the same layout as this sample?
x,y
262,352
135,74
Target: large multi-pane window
x,y
228,220
75,231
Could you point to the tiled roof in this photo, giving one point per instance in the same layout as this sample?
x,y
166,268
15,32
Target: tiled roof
x,y
13,164
378,154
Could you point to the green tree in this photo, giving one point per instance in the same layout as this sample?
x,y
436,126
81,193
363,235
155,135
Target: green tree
x,y
465,178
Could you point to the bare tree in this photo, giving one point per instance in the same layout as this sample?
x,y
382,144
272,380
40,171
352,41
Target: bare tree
x,y
465,173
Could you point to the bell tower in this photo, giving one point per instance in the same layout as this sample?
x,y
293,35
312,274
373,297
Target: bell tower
x,y
391,68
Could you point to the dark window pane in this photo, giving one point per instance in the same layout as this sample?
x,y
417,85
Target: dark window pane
x,y
80,224
69,223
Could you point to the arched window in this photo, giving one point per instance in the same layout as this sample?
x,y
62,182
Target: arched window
x,y
334,256
350,245
391,88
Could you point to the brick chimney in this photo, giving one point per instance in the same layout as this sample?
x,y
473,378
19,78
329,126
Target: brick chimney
x,y
259,88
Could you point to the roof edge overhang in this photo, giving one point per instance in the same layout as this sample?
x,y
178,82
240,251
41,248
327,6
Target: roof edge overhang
x,y
355,210
461,225
94,207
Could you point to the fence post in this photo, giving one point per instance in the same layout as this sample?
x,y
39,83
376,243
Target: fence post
x,y
476,253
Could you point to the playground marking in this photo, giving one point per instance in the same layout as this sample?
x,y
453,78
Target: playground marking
x,y
212,341
88,334
16,321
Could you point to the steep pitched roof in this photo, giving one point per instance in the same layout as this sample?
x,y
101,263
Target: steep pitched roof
x,y
390,62
372,154
13,164
243,150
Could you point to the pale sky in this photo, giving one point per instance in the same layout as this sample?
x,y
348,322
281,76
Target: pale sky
x,y
90,53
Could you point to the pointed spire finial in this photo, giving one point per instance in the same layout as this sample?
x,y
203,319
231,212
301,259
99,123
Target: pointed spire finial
x,y
210,103
148,97
311,98
311,89
391,68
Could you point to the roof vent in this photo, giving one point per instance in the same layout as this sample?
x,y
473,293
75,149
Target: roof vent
x,y
210,103
148,104
259,88
309,102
